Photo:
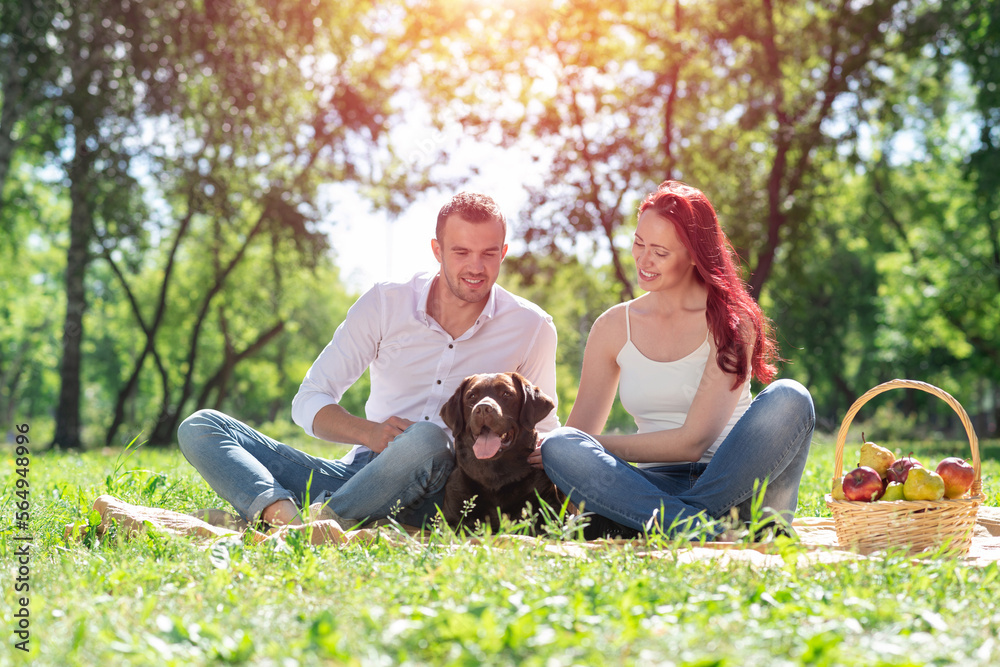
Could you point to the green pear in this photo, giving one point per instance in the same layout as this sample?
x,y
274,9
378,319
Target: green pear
x,y
838,489
923,484
893,491
876,457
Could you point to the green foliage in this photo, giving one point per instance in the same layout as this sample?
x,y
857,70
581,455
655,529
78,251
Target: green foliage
x,y
850,150
29,326
832,139
615,97
190,175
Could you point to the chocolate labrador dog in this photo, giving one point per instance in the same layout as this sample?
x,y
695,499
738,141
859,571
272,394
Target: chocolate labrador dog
x,y
492,418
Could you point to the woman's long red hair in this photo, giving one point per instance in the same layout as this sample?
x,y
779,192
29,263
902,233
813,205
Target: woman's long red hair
x,y
734,317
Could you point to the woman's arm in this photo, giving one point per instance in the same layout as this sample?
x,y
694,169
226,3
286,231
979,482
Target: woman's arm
x,y
713,405
599,376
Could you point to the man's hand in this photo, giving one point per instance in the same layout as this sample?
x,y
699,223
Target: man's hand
x,y
382,434
336,424
535,457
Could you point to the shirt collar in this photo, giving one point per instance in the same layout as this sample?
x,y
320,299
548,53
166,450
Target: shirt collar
x,y
425,292
491,304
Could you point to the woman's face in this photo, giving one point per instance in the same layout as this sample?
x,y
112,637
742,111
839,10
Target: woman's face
x,y
661,259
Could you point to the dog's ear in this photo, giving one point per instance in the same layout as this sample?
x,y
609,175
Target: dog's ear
x,y
453,412
536,404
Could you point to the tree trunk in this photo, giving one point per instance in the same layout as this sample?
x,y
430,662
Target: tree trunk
x,y
219,383
627,292
150,331
167,422
673,77
67,431
775,221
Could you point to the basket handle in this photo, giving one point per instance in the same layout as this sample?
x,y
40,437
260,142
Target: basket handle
x,y
838,466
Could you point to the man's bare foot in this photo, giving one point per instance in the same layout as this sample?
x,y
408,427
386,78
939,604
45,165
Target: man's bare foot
x,y
281,513
322,512
287,513
318,532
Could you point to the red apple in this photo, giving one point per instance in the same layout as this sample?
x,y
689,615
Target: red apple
x,y
957,475
900,468
863,483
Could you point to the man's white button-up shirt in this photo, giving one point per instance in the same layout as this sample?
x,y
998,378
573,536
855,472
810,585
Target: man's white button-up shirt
x,y
415,364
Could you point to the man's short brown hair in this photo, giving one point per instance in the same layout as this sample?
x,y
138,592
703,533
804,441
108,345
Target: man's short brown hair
x,y
473,207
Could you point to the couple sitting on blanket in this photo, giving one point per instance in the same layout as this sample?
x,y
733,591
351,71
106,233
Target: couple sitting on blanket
x,y
681,355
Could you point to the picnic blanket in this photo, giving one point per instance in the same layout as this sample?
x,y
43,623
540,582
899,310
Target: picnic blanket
x,y
817,535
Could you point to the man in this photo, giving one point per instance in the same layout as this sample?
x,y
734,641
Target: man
x,y
420,339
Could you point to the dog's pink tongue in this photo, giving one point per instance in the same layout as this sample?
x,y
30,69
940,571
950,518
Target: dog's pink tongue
x,y
487,445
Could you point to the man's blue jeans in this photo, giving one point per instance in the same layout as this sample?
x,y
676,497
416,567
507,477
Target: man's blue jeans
x,y
770,442
252,471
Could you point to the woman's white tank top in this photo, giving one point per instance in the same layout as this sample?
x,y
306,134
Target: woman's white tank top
x,y
658,394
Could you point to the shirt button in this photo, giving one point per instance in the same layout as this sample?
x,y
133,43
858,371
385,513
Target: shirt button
x,y
450,346
426,419
439,381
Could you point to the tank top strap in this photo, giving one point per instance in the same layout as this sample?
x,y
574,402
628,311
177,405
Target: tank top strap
x,y
628,326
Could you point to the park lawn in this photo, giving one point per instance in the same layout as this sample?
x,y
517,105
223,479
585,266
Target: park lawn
x,y
162,600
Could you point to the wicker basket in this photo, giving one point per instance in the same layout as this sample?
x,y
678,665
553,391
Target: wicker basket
x,y
911,525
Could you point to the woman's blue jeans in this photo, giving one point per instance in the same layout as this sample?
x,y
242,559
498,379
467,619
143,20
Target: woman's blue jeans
x,y
769,443
252,471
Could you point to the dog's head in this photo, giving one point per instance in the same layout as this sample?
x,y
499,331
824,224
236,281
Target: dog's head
x,y
493,410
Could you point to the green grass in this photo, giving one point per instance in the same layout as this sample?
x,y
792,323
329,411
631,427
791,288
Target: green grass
x,y
161,600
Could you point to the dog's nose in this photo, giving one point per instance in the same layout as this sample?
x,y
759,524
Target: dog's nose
x,y
486,406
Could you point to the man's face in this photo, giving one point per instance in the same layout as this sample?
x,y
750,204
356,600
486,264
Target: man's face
x,y
470,254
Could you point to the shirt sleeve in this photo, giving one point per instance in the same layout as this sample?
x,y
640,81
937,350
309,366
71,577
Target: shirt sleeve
x,y
539,366
353,348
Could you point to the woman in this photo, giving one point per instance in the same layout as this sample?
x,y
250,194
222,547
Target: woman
x,y
682,357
